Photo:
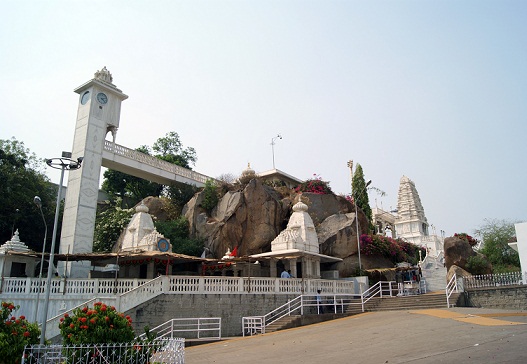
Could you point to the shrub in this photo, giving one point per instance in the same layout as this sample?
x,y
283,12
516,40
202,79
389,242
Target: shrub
x,y
15,334
101,324
315,185
397,250
464,236
210,196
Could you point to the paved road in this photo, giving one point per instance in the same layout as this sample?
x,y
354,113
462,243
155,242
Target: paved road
x,y
457,335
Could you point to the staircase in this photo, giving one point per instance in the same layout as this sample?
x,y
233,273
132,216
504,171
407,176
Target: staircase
x,y
434,274
417,302
286,322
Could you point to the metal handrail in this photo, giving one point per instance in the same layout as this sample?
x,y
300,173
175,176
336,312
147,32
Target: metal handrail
x,y
451,287
197,325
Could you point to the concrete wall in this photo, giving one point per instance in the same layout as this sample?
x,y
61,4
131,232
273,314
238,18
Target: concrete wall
x,y
506,298
231,309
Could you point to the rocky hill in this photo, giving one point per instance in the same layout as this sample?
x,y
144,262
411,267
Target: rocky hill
x,y
250,218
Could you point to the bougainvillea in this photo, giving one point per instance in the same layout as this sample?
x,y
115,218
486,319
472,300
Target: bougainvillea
x,y
100,324
15,334
314,185
397,250
464,236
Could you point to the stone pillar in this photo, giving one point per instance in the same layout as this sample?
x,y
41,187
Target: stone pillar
x,y
272,263
292,264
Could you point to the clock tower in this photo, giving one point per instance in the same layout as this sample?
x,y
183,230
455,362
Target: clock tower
x,y
98,113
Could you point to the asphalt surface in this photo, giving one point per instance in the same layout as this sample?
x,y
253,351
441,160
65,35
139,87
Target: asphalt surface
x,y
456,335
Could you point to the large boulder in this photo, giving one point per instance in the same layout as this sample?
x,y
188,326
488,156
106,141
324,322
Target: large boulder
x,y
248,219
458,251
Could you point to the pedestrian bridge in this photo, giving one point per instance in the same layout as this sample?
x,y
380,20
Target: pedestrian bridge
x,y
144,166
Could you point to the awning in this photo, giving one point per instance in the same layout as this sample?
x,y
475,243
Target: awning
x,y
295,253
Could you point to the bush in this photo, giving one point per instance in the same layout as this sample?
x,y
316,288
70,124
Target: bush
x,y
210,196
108,227
315,185
15,334
396,250
102,324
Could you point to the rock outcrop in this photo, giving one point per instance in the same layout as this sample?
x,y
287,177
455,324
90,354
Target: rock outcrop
x,y
457,254
253,217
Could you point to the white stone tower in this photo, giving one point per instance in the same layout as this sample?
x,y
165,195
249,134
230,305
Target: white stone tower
x,y
98,113
411,223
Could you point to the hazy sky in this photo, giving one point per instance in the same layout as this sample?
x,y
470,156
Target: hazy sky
x,y
434,90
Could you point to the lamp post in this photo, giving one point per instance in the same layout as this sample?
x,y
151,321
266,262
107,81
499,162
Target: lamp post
x,y
63,163
38,202
272,145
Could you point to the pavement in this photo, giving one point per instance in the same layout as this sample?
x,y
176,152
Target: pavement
x,y
455,335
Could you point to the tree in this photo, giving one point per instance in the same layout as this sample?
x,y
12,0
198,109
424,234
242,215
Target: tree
x,y
169,148
495,236
15,334
360,194
21,179
109,225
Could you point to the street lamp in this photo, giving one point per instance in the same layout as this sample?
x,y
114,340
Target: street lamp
x,y
38,202
272,145
355,200
63,163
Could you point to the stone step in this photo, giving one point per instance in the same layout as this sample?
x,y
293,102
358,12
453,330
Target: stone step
x,y
404,303
283,323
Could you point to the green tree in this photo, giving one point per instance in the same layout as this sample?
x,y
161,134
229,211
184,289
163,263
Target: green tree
x,y
21,179
210,196
108,227
169,148
360,194
495,236
178,232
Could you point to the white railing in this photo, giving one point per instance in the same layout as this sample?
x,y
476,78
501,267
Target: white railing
x,y
154,162
316,304
203,328
69,287
494,280
451,288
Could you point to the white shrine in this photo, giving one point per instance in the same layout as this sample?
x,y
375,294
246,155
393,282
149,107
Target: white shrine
x,y
411,223
13,263
297,246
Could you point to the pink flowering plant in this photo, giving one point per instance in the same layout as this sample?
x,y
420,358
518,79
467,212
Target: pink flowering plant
x,y
100,324
397,250
15,334
464,236
314,185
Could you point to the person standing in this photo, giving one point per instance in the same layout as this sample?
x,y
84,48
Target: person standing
x,y
285,274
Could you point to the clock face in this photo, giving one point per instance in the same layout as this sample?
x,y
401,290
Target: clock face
x,y
163,245
102,98
85,97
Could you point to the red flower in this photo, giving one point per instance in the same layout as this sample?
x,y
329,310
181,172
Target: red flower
x,y
72,326
103,308
22,317
8,323
92,321
26,334
83,319
61,319
66,315
85,309
11,307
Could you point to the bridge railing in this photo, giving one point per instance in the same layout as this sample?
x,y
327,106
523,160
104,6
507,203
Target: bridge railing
x,y
154,162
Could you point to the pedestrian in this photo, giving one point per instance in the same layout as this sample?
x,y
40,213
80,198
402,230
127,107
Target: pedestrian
x,y
320,307
285,274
